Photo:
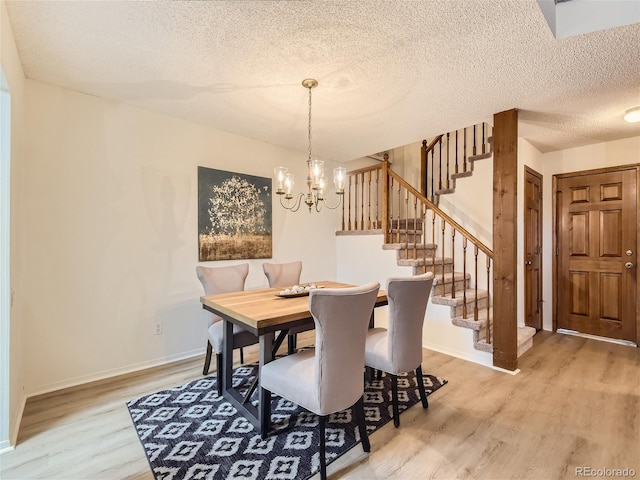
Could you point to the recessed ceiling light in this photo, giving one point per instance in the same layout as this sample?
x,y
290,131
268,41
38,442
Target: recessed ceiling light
x,y
632,115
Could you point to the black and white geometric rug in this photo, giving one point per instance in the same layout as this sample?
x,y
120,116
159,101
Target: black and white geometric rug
x,y
189,432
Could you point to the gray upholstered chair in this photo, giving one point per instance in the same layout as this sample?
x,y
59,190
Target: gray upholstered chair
x,y
223,280
329,378
398,349
285,275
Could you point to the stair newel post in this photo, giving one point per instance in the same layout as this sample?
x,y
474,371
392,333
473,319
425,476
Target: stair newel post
x,y
443,225
349,195
440,164
433,242
475,305
464,148
384,215
433,151
456,151
453,262
448,160
474,140
424,163
464,277
488,325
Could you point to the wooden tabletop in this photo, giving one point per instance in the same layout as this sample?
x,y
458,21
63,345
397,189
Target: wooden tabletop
x,y
263,310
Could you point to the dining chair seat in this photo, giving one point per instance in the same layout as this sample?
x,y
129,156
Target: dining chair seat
x,y
241,337
328,378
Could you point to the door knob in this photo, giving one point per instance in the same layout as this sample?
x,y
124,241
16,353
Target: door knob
x,y
629,253
628,265
527,263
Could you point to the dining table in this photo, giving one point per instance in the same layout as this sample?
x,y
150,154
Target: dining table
x,y
263,312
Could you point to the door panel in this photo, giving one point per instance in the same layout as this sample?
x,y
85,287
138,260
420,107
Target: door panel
x,y
596,291
533,249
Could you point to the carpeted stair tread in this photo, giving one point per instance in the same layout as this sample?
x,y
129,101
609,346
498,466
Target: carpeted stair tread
x,y
401,246
449,277
416,262
459,297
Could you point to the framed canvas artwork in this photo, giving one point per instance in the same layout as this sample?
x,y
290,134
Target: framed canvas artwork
x,y
234,215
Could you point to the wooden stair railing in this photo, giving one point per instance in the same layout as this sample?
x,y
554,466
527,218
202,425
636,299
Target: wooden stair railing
x,y
438,169
378,198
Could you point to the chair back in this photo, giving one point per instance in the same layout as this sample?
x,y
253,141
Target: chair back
x,y
341,317
408,298
222,280
282,274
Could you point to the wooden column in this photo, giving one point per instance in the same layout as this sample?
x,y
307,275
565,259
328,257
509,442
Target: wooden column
x,y
505,189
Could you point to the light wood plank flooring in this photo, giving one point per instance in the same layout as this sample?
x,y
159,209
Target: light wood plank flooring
x,y
576,403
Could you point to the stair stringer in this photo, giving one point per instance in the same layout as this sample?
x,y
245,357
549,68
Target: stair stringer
x,y
361,259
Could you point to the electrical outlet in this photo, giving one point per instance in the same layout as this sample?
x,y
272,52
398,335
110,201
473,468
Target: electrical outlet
x,y
159,328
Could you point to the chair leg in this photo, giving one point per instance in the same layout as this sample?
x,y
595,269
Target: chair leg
x,y
207,359
423,394
292,341
219,372
323,459
394,400
241,356
358,409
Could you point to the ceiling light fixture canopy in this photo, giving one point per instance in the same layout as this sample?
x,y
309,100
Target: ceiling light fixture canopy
x,y
316,181
632,115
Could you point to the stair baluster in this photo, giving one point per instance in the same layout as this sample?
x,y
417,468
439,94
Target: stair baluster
x,y
464,276
456,151
453,262
465,149
475,301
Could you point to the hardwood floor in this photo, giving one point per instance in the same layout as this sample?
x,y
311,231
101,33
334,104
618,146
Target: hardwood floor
x,y
575,403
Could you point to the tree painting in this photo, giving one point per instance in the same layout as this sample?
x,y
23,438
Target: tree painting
x,y
234,215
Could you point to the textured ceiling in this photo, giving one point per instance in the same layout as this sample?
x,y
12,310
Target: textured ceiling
x,y
390,72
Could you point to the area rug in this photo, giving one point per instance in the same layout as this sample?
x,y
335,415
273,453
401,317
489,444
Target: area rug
x,y
189,432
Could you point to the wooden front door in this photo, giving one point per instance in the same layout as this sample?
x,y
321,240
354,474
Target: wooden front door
x,y
532,249
596,249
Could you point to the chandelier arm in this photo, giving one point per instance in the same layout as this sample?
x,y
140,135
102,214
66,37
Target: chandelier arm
x,y
335,206
296,205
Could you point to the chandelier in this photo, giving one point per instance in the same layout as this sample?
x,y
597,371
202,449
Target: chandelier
x,y
316,181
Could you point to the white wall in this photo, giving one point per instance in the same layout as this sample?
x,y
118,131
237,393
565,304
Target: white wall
x,y
600,155
109,227
13,399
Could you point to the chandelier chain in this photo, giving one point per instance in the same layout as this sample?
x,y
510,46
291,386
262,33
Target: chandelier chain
x,y
309,123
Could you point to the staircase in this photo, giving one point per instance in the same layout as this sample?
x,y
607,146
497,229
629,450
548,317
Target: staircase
x,y
427,239
466,299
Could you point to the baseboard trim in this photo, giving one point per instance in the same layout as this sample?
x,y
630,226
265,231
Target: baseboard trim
x,y
479,359
106,374
5,447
